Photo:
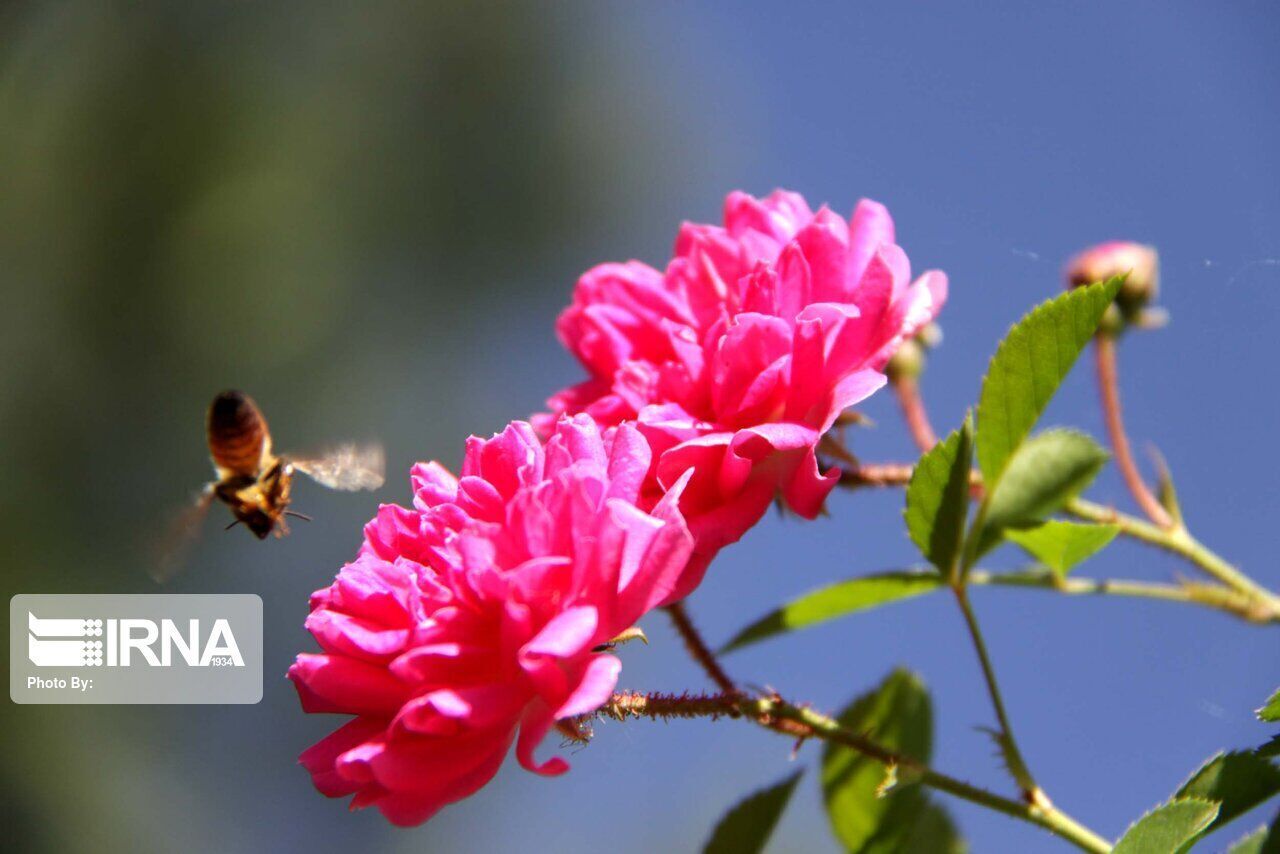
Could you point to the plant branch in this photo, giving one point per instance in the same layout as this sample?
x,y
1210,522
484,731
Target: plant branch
x,y
1164,533
774,713
875,475
1109,388
1178,541
1009,745
907,389
699,649
1209,595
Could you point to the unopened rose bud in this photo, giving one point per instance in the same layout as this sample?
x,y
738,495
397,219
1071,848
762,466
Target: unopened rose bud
x,y
1116,258
930,336
907,363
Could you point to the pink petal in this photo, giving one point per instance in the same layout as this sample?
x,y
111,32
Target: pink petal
x,y
854,388
329,683
758,442
825,245
446,711
870,228
442,663
320,757
638,530
535,726
629,460
568,633
349,635
594,689
432,485
751,345
808,488
664,566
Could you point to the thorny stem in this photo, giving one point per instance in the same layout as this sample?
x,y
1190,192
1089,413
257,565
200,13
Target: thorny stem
x,y
699,649
1179,541
1109,388
1209,595
772,712
908,391
1009,745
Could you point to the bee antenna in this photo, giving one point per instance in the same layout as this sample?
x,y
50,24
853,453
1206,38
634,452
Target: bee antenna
x,y
232,525
303,516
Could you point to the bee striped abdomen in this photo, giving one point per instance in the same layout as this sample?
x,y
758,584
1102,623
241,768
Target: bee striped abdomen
x,y
237,433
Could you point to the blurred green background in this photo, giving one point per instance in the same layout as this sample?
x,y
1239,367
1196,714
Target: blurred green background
x,y
351,211
368,215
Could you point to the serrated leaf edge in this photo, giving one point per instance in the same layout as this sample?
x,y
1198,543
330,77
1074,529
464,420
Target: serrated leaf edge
x,y
1096,287
1205,801
1275,697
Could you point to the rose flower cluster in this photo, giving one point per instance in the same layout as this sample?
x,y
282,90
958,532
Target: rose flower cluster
x,y
483,614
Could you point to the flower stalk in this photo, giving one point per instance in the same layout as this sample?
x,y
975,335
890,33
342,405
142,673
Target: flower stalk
x,y
1109,390
907,390
774,713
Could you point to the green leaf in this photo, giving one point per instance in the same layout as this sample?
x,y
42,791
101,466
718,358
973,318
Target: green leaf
x,y
1028,367
938,499
896,714
746,828
1270,750
1060,545
1167,828
931,831
1166,492
1271,711
1251,844
836,600
1238,781
1265,839
1047,471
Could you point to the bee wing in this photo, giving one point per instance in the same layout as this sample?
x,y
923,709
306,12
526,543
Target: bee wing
x,y
348,467
178,537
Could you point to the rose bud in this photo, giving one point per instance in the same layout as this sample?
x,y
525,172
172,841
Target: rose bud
x,y
1116,258
907,363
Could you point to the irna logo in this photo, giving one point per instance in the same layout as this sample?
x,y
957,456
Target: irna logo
x,y
135,648
89,642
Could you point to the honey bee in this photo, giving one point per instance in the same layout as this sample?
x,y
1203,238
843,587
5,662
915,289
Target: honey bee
x,y
255,482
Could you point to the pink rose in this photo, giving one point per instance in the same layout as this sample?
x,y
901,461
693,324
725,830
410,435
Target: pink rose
x,y
739,357
476,618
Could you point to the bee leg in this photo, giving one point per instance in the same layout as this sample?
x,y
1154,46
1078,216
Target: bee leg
x,y
232,525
